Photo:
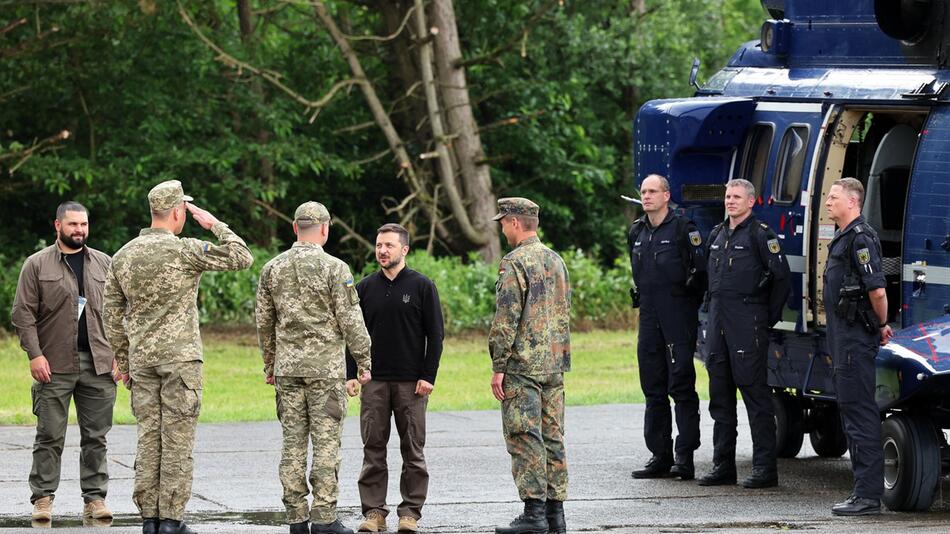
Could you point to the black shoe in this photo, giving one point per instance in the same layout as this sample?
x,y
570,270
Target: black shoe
x,y
721,475
300,528
170,526
150,525
329,528
532,521
554,512
761,478
656,467
683,468
855,505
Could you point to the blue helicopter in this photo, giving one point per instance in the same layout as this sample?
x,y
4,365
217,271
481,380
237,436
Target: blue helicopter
x,y
831,90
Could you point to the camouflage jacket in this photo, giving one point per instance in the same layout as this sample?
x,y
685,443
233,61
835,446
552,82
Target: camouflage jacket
x,y
150,307
308,312
530,334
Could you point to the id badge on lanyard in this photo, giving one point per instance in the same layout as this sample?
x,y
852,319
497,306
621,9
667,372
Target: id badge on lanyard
x,y
80,306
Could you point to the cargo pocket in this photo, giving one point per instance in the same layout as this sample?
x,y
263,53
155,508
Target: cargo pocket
x,y
335,406
514,416
36,392
188,402
748,366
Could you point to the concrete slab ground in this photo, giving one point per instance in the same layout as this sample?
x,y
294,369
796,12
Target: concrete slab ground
x,y
236,489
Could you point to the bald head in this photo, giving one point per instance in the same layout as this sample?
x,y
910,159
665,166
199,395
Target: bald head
x,y
655,194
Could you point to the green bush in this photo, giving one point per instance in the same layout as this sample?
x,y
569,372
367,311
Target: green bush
x,y
466,289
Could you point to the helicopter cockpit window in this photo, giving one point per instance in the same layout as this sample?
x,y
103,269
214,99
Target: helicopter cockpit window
x,y
755,154
790,162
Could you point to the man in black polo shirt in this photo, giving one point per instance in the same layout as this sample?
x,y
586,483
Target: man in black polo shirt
x,y
404,318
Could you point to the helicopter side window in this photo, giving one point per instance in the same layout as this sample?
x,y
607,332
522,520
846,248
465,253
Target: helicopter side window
x,y
755,154
790,162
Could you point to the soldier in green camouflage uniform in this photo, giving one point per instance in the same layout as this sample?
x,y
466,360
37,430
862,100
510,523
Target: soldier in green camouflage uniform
x,y
530,347
307,314
151,320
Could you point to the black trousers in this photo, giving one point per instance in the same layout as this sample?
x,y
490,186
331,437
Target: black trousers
x,y
665,347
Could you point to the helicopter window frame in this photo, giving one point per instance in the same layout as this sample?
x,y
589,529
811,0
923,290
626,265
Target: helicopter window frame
x,y
744,161
779,177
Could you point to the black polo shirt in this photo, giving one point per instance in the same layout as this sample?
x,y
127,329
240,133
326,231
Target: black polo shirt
x,y
404,319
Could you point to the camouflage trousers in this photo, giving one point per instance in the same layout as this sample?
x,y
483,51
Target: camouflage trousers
x,y
533,422
166,400
310,410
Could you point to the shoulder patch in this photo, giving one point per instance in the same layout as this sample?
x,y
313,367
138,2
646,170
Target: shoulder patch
x,y
348,282
695,238
205,247
774,247
864,256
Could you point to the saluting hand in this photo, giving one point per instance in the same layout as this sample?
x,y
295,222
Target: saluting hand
x,y
423,388
202,217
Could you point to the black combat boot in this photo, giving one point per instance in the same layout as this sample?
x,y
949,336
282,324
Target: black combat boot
x,y
302,527
532,521
170,526
329,528
683,468
722,474
855,505
554,512
656,467
761,478
150,525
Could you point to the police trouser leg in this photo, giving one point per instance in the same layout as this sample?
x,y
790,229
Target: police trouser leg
x,y
51,408
861,420
682,382
654,370
552,432
95,398
521,413
758,403
375,416
722,408
409,412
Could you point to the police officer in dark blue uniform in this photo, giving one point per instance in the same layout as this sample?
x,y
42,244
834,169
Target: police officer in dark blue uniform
x,y
748,287
669,270
856,307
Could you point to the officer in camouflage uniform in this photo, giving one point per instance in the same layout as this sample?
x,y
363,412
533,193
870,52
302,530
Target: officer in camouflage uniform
x,y
530,347
308,313
151,320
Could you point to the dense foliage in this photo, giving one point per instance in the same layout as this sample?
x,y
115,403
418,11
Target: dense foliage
x,y
554,83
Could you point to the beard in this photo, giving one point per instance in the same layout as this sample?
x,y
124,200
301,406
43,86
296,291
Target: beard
x,y
390,263
72,242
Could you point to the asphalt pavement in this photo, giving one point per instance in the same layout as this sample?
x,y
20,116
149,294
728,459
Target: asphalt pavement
x,y
236,489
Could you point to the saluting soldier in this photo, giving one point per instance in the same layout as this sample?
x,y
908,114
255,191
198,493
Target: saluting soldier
x,y
151,319
748,287
856,306
308,313
530,347
669,269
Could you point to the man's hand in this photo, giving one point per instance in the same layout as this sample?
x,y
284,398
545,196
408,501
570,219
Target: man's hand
x,y
423,388
365,377
496,388
269,379
39,368
353,387
202,217
886,334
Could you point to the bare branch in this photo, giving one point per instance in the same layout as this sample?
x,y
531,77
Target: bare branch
x,y
352,234
515,40
14,92
374,157
23,155
12,26
390,37
272,210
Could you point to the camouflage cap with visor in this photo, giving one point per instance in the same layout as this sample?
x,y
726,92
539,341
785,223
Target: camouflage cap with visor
x,y
312,212
167,195
516,206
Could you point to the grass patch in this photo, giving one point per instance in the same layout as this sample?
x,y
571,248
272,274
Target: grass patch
x,y
604,372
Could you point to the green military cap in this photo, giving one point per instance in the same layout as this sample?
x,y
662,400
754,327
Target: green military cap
x,y
167,195
314,212
516,206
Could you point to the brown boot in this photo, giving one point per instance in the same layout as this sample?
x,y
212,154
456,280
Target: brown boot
x,y
375,522
407,523
43,509
96,510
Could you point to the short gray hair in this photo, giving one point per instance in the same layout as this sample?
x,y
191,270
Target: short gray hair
x,y
664,183
69,205
743,183
853,187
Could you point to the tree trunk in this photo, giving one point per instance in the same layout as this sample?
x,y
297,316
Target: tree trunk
x,y
467,144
